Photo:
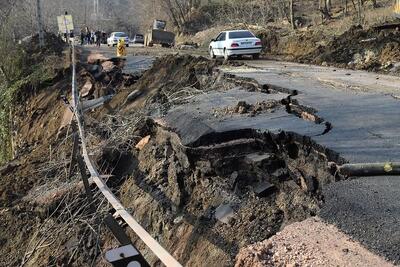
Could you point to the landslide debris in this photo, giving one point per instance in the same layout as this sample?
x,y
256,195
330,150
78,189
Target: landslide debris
x,y
205,201
367,49
308,243
374,49
40,156
178,193
172,80
45,219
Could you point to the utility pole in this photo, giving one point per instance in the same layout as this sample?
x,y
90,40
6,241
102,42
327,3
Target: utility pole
x,y
96,7
39,21
291,9
96,11
359,12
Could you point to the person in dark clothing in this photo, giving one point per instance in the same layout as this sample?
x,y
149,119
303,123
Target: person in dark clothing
x,y
88,36
104,37
98,38
82,38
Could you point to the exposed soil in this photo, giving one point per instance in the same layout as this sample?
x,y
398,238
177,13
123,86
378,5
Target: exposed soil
x,y
308,243
176,191
40,158
262,182
268,181
358,48
244,108
370,49
45,220
172,80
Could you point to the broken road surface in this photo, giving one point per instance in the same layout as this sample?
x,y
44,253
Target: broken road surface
x,y
352,115
363,110
360,106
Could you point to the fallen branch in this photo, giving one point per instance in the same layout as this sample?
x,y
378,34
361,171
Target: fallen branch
x,y
370,169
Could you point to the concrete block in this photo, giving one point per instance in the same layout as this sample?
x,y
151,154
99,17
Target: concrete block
x,y
224,213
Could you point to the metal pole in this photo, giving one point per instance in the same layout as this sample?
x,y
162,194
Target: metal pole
x,y
40,25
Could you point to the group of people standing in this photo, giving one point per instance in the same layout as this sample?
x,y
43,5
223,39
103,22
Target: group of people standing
x,y
93,37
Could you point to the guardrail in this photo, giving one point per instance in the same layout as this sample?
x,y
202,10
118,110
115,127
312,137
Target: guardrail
x,y
151,243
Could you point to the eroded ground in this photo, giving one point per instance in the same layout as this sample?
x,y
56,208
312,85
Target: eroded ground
x,y
209,157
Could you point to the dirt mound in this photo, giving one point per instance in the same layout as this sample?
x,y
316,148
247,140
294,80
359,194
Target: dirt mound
x,y
171,80
357,48
308,243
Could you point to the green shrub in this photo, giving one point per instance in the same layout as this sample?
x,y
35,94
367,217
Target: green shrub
x,y
26,72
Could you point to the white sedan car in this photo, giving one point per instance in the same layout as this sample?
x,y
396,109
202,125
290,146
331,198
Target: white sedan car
x,y
115,36
235,43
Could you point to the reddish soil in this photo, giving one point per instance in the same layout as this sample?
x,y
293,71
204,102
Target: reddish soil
x,y
308,243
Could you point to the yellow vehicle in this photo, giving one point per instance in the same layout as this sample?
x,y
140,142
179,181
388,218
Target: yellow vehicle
x,y
397,9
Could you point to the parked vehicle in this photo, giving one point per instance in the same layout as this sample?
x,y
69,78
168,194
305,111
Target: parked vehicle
x,y
235,43
158,35
115,37
138,39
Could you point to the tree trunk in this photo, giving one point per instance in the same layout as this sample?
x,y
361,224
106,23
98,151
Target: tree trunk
x,y
359,12
370,169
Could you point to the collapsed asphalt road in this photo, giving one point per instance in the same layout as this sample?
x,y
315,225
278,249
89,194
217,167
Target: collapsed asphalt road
x,y
361,107
363,128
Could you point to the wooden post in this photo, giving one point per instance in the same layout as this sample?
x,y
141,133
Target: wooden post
x,y
117,231
75,148
85,180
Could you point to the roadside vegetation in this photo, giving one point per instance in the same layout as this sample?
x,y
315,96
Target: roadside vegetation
x,y
12,68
